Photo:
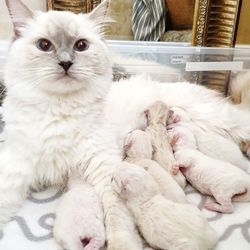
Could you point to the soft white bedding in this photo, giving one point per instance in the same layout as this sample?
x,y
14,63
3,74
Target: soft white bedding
x,y
31,228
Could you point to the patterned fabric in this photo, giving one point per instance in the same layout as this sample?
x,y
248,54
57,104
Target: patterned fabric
x,y
2,93
148,19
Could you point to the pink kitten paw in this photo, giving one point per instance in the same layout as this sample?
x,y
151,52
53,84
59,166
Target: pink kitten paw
x,y
174,139
176,118
227,209
175,169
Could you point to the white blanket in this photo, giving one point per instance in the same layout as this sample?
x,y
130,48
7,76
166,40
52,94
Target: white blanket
x,y
31,228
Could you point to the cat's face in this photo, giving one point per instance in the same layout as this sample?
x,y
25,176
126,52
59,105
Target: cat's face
x,y
58,52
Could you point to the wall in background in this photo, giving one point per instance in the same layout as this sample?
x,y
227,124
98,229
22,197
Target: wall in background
x,y
5,22
243,34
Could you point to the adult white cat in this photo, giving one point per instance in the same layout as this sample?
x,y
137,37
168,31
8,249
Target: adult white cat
x,y
57,75
58,71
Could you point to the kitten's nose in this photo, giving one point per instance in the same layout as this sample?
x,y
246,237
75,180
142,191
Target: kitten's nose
x,y
66,65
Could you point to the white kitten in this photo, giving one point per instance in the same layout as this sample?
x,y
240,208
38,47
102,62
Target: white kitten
x,y
138,150
164,224
210,176
214,145
80,222
157,115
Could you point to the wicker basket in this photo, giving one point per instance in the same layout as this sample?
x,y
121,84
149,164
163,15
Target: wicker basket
x,y
76,6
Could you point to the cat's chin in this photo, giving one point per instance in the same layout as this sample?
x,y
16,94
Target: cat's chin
x,y
65,85
67,78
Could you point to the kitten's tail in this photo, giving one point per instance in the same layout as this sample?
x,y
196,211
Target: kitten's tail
x,y
237,123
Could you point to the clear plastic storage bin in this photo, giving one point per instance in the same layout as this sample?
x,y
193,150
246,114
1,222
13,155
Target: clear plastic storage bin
x,y
212,67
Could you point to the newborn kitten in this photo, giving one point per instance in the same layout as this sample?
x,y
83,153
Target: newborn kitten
x,y
80,216
212,144
138,149
210,176
157,115
164,224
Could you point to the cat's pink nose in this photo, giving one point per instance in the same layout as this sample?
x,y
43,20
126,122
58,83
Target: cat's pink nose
x,y
66,65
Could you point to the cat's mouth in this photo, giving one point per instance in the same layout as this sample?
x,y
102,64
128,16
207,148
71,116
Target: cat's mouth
x,y
65,75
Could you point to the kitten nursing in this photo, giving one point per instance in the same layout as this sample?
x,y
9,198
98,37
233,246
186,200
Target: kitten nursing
x,y
64,116
157,115
139,150
217,178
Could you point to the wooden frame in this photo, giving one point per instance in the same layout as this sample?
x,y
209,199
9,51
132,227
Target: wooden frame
x,y
76,6
215,22
215,25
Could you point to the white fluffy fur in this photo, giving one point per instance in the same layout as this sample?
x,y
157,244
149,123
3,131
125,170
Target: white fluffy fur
x,y
214,145
210,176
207,108
240,90
80,218
240,94
138,150
164,224
54,123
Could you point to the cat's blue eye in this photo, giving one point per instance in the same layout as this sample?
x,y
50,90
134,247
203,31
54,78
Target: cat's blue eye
x,y
44,45
81,45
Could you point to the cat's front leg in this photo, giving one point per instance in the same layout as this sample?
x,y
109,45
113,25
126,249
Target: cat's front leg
x,y
15,178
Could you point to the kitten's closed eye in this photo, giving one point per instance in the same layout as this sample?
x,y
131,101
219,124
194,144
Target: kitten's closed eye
x,y
81,45
44,45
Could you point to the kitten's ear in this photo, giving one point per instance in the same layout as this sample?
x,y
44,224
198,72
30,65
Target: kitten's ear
x,y
170,113
127,146
99,14
19,14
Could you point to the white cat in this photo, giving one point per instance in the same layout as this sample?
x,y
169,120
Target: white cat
x,y
57,74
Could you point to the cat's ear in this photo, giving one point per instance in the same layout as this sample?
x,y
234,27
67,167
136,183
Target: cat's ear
x,y
99,14
19,13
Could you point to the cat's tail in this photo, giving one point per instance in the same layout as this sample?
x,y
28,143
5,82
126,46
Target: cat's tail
x,y
240,90
234,121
